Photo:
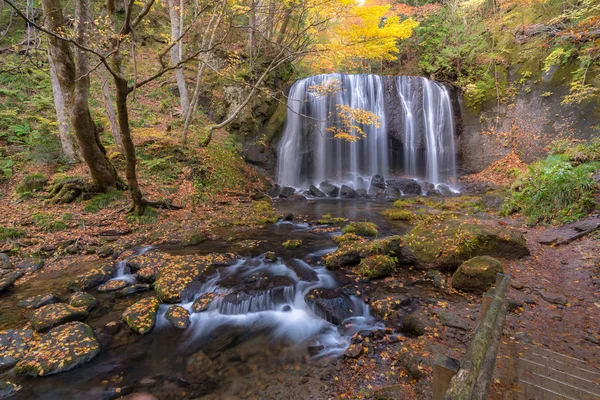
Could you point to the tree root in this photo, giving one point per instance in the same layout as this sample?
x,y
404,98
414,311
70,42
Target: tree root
x,y
139,209
68,189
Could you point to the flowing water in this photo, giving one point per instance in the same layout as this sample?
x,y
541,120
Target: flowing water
x,y
418,108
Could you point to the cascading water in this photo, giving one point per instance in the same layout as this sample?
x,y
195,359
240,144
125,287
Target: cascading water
x,y
309,155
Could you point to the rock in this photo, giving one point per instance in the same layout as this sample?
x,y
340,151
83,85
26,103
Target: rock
x,y
296,197
514,305
477,274
353,351
62,349
141,316
452,321
113,285
140,396
377,266
270,256
133,289
516,284
392,193
38,301
289,217
329,189
413,325
178,317
405,185
303,271
427,189
5,261
92,278
52,315
31,265
549,237
429,243
444,190
362,193
202,302
82,299
377,184
287,192
350,253
347,192
7,389
393,392
553,298
146,274
9,279
492,202
315,191
14,344
331,304
585,224
274,191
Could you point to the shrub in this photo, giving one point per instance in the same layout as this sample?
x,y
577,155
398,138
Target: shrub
x,y
378,266
361,228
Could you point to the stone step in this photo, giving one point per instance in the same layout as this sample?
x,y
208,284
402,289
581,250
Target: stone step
x,y
526,365
551,388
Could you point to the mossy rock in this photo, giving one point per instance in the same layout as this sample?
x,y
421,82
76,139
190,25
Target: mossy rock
x,y
477,274
14,344
447,244
62,349
348,237
378,266
82,299
7,389
350,253
146,274
38,301
141,316
328,219
178,317
32,183
113,285
292,244
202,302
361,229
51,315
92,278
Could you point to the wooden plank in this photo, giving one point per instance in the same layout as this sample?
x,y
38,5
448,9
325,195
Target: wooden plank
x,y
526,365
558,387
580,370
532,391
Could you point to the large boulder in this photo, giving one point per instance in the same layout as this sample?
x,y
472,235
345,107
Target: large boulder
x,y
51,315
141,316
5,261
82,300
447,244
377,184
62,349
413,325
178,317
331,304
14,344
287,192
201,303
477,274
405,185
347,192
315,191
329,189
92,278
9,279
351,252
8,389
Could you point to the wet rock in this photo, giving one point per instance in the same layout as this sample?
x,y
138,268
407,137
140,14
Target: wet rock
x,y
292,244
492,202
392,193
444,190
393,392
270,256
14,344
303,271
287,192
377,266
427,189
405,185
354,351
5,261
146,274
141,316
202,302
274,191
7,389
347,192
113,285
178,317
468,239
9,279
362,193
553,298
315,191
289,217
329,189
38,301
31,264
377,184
93,278
52,315
133,289
82,299
62,349
331,304
477,274
413,325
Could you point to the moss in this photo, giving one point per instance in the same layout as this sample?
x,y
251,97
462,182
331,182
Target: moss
x,y
347,237
477,274
178,317
361,228
31,183
292,244
141,316
10,233
378,266
327,219
103,200
351,252
400,215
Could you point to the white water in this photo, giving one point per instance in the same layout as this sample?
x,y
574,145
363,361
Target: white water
x,y
308,154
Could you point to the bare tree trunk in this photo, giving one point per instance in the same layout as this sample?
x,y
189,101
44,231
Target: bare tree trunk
x,y
284,25
72,73
252,32
64,125
110,110
176,15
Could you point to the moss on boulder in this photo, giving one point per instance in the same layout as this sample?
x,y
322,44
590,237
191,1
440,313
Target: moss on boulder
x,y
141,316
361,228
178,317
447,244
477,274
51,315
62,349
92,278
378,266
82,299
351,252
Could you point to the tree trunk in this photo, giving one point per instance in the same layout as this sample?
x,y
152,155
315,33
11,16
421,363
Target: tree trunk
x,y
110,110
72,73
64,126
139,204
175,13
252,32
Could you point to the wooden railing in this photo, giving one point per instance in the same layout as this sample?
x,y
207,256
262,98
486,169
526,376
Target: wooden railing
x,y
470,378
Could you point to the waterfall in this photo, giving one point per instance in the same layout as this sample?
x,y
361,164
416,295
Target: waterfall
x,y
308,154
